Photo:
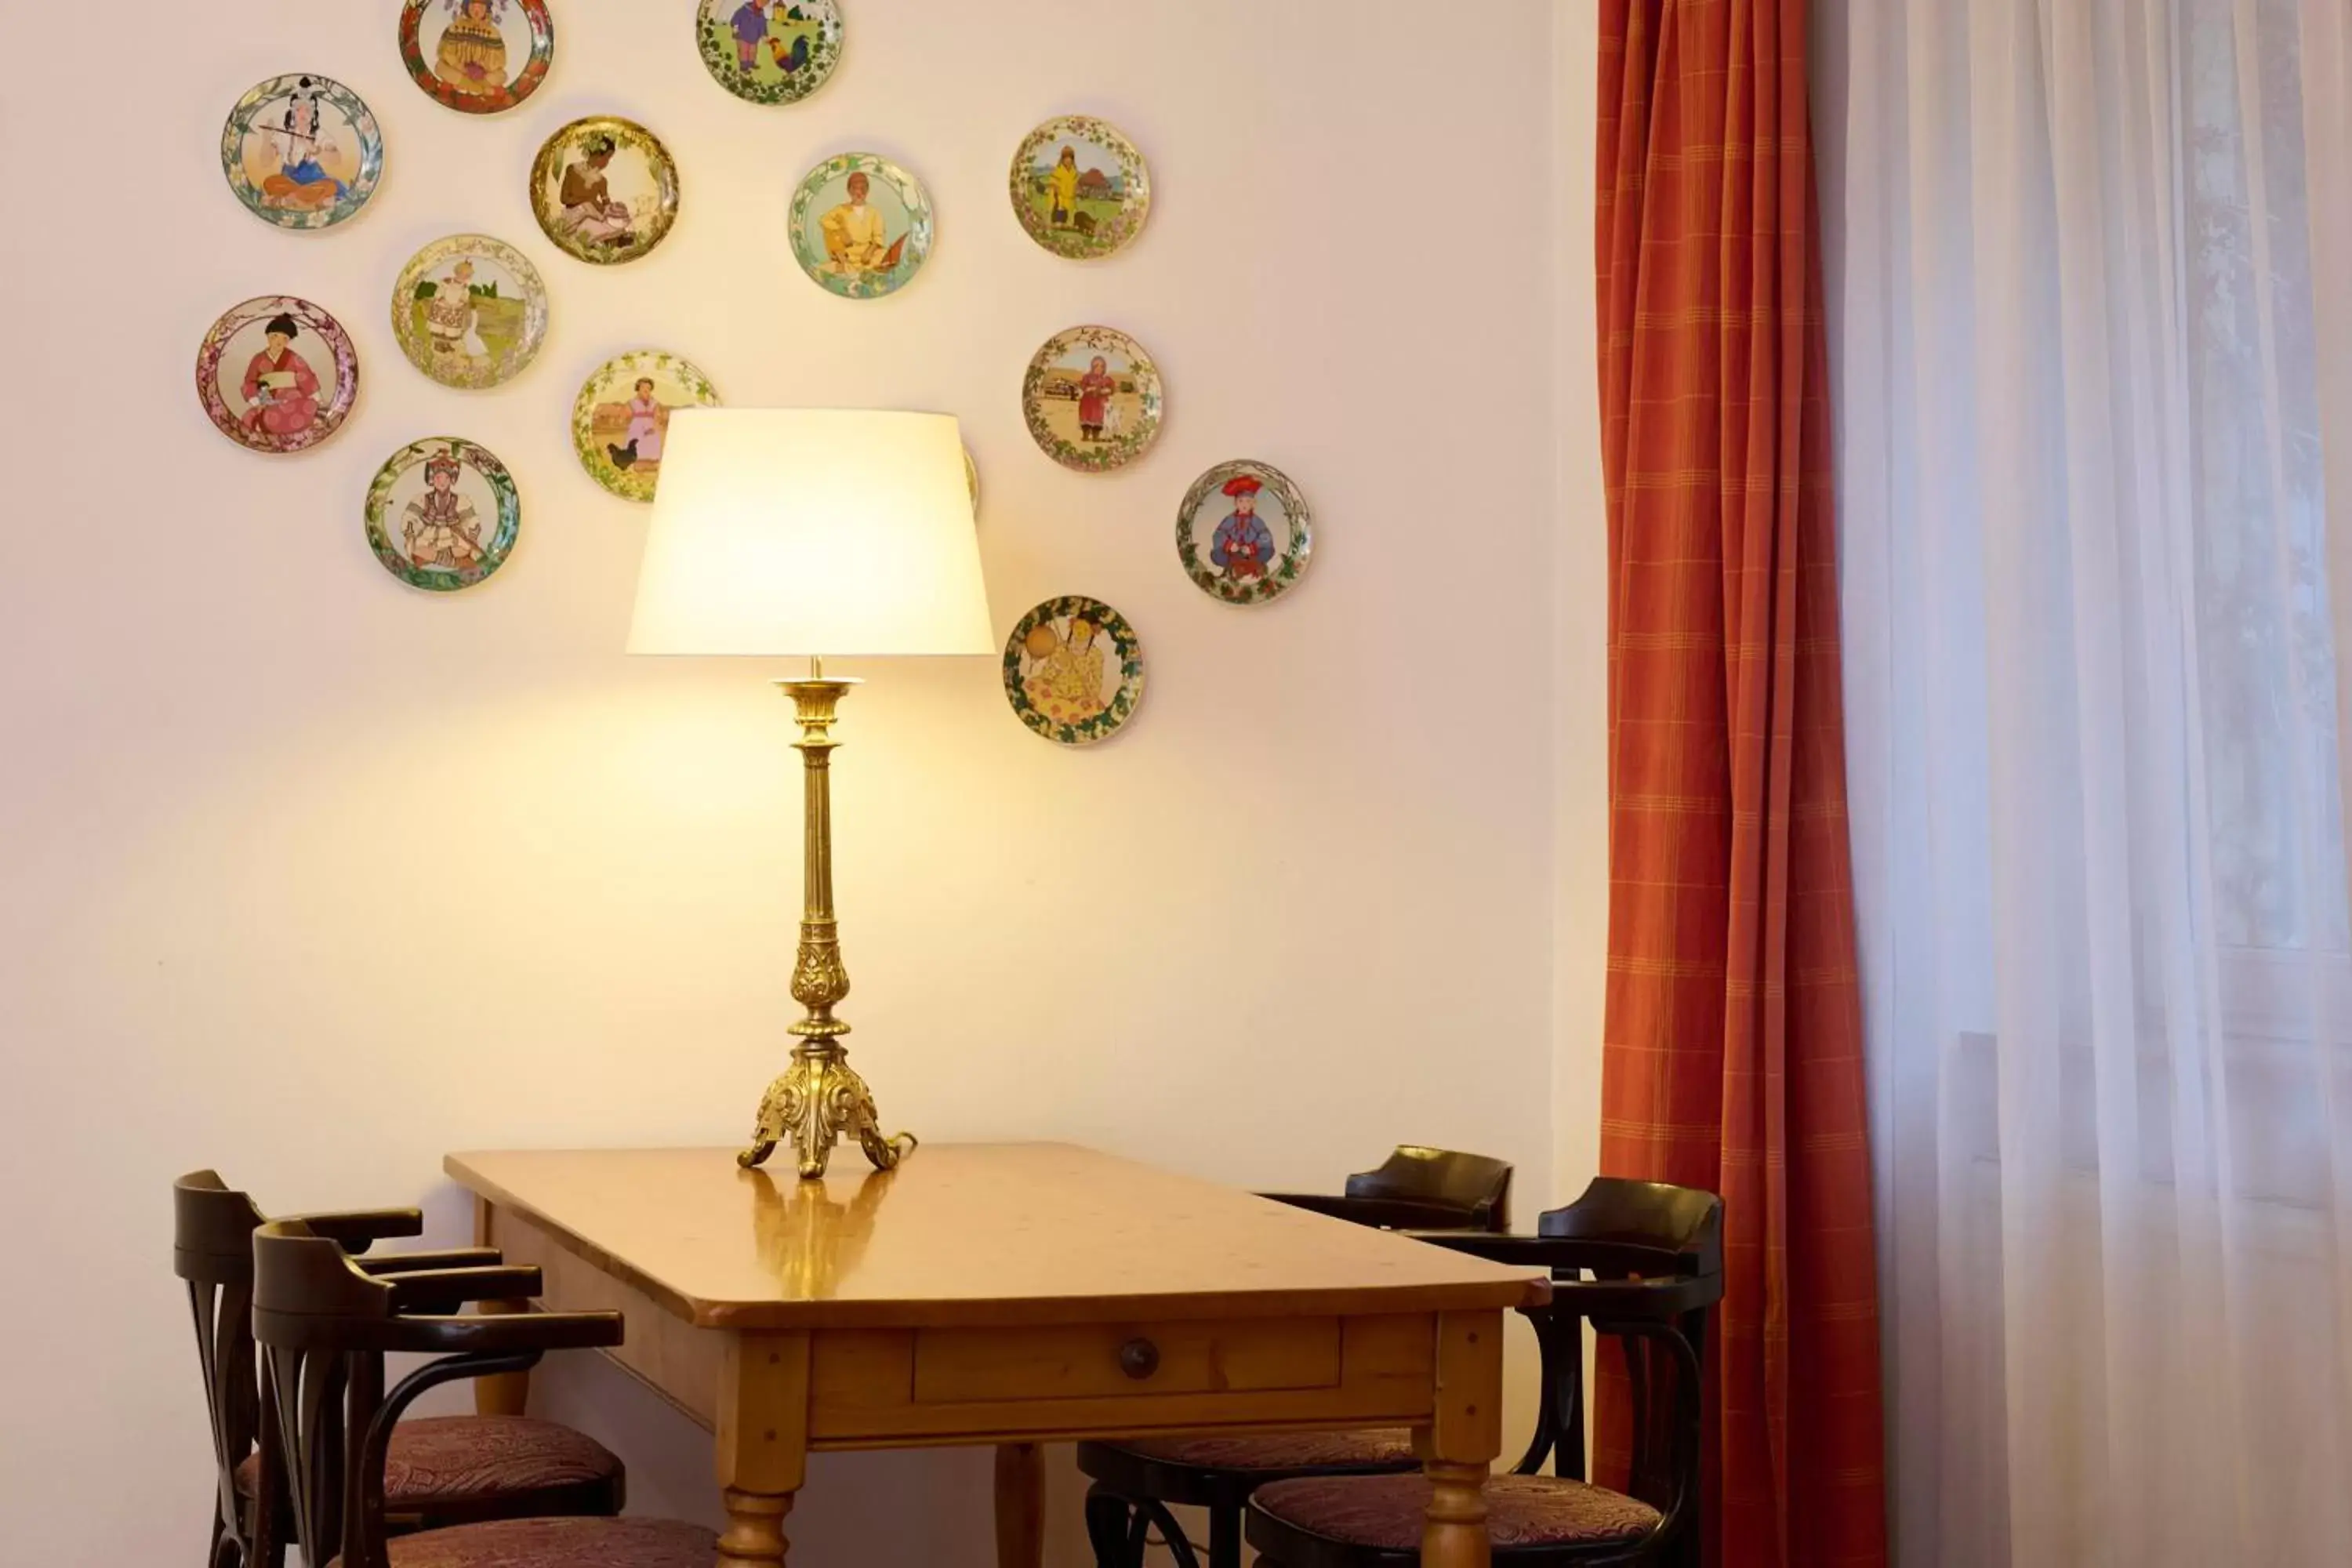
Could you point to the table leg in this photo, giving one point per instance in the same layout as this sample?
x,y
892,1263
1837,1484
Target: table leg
x,y
1462,1439
1020,1506
508,1393
762,1443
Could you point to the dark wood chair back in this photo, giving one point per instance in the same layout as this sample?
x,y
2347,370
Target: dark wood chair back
x,y
324,1324
1476,1183
212,1249
1420,1189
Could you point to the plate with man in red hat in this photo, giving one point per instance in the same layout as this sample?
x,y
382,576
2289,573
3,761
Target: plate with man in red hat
x,y
1243,532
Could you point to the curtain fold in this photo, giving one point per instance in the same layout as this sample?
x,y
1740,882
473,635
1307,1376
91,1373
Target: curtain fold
x,y
1732,1052
2095,391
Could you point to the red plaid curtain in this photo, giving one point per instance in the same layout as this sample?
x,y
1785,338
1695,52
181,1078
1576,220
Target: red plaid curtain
x,y
1733,1046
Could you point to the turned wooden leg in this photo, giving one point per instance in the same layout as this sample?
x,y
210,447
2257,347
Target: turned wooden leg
x,y
755,1529
1020,1506
1464,1436
762,1443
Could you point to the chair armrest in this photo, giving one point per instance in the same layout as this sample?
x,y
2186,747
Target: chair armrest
x,y
357,1229
413,1262
1381,1213
507,1333
436,1291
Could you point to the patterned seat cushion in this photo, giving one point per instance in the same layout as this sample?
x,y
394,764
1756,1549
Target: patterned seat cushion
x,y
558,1543
1386,1513
1387,1448
443,1460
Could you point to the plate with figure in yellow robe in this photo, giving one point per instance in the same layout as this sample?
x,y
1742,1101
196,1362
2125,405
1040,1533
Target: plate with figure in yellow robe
x,y
862,226
477,56
1074,670
1080,187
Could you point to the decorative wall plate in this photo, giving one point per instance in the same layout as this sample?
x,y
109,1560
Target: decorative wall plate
x,y
1074,670
861,225
621,419
770,51
1080,187
1093,399
469,310
604,189
302,151
1243,532
277,374
480,56
442,514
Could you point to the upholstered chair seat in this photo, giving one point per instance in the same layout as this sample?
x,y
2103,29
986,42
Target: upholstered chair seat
x,y
1386,1514
456,1468
557,1543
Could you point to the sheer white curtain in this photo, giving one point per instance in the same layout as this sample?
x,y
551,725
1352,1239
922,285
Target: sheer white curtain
x,y
2090,269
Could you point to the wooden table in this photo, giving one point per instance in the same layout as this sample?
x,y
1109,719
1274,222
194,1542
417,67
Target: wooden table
x,y
1006,1294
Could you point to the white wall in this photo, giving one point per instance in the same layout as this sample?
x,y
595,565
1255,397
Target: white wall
x,y
313,876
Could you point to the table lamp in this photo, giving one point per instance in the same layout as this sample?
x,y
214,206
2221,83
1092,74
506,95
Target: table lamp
x,y
823,533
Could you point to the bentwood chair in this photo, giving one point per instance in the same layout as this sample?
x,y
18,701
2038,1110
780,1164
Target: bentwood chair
x,y
442,1470
1136,1480
1642,1264
324,1325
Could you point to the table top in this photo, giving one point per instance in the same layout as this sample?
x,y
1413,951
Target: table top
x,y
976,1233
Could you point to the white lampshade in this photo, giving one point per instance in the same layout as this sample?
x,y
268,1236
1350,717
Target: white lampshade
x,y
812,532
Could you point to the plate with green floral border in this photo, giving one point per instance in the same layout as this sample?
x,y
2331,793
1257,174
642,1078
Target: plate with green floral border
x,y
862,226
621,419
442,514
302,151
1243,532
1074,670
1080,187
469,311
604,189
1093,399
769,52
477,56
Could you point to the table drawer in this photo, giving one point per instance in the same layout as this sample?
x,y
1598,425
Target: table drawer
x,y
960,1366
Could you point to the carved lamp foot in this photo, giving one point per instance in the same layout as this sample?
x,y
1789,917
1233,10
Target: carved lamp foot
x,y
819,1101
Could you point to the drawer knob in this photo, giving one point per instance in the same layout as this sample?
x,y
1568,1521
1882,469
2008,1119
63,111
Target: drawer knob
x,y
1139,1358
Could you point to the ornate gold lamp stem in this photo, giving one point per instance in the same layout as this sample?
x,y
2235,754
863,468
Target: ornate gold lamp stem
x,y
820,1099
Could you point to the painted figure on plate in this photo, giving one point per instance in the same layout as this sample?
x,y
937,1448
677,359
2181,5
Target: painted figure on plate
x,y
281,390
856,237
648,421
1096,390
453,317
1242,547
300,146
472,56
589,210
1062,186
440,527
1064,678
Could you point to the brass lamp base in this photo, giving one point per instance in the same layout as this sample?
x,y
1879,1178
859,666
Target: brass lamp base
x,y
820,1099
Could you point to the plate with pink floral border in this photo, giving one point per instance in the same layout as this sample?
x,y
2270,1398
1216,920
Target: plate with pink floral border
x,y
277,374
